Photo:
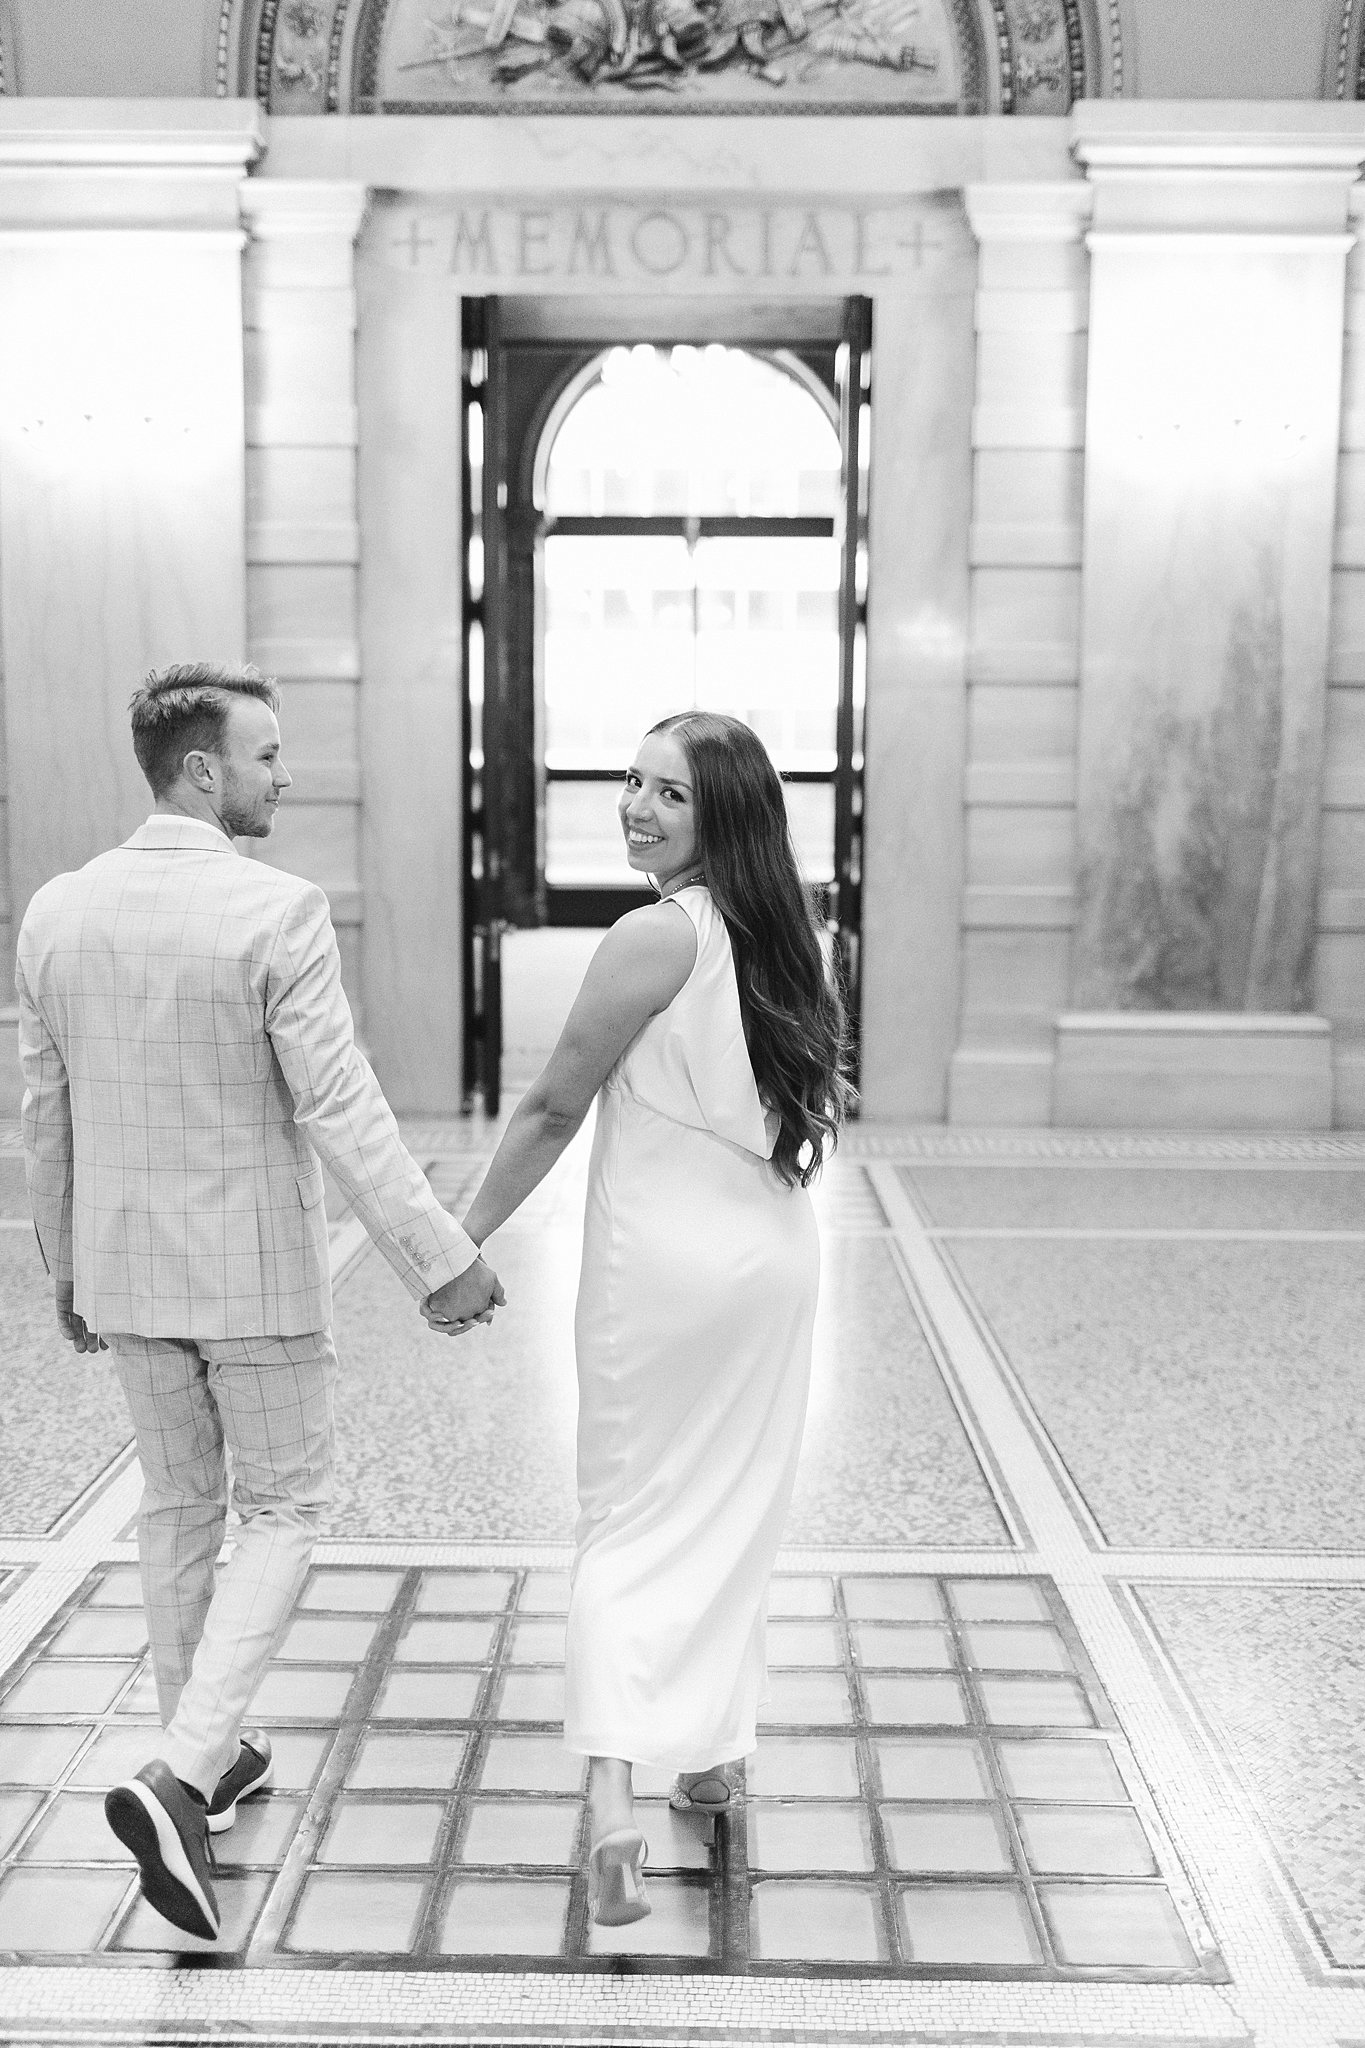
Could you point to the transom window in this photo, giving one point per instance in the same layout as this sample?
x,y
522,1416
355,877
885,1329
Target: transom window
x,y
690,561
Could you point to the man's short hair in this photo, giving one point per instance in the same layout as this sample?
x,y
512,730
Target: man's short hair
x,y
183,710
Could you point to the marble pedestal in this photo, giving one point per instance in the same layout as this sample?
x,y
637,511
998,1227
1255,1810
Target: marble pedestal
x,y
1173,1070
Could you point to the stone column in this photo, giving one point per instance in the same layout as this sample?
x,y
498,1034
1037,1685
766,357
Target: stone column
x,y
121,464
303,541
921,471
1217,278
1028,434
1339,951
411,455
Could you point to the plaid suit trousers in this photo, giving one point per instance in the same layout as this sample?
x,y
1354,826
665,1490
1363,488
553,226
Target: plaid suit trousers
x,y
267,1402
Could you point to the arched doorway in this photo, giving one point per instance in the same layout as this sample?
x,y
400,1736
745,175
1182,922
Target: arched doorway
x,y
653,526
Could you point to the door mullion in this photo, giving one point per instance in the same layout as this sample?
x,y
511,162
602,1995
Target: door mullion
x,y
494,705
847,790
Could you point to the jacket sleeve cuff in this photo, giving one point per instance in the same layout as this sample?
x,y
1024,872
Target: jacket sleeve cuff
x,y
426,1254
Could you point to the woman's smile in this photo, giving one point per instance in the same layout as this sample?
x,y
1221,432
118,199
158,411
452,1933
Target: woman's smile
x,y
658,811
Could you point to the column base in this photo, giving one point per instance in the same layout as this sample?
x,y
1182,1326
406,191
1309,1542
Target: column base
x,y
1192,1070
1348,1064
999,1086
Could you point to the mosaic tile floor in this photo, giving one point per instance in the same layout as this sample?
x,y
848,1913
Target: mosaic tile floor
x,y
940,1783
1242,1348
480,1447
1064,1742
1279,1674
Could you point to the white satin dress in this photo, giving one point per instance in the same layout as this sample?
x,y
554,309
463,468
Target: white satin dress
x,y
693,1332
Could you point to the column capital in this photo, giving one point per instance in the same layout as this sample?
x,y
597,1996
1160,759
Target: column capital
x,y
171,135
1029,212
278,208
73,164
1218,134
1210,167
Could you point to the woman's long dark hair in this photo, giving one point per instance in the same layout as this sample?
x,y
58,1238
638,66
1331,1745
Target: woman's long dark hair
x,y
792,1010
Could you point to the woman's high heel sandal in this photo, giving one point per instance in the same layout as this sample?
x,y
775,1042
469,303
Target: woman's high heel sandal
x,y
616,1889
710,1792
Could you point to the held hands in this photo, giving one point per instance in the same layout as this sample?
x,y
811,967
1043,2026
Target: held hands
x,y
468,1299
75,1328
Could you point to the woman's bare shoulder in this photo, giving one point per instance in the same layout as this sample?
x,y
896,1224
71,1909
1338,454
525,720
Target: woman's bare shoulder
x,y
658,941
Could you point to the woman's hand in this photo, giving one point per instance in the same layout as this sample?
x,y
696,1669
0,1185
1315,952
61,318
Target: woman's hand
x,y
469,1298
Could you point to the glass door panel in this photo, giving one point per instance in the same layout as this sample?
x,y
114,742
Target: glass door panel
x,y
810,813
693,431
768,643
583,848
620,643
640,626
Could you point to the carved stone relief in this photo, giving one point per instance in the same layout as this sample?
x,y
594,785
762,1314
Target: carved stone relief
x,y
679,56
298,56
716,53
1043,65
1350,78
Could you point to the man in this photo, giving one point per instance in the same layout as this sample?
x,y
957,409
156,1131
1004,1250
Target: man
x,y
187,1049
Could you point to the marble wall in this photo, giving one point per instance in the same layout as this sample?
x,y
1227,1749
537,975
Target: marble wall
x,y
302,538
411,453
917,625
1114,713
1028,432
121,431
1339,962
1210,479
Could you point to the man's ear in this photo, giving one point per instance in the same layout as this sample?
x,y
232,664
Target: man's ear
x,y
198,767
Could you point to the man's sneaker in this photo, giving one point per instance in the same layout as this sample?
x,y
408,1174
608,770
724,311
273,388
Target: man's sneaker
x,y
252,1772
166,1826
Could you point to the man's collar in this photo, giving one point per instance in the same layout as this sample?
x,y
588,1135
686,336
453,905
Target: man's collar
x,y
163,829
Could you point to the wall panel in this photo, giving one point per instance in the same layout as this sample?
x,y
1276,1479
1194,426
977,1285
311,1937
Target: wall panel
x,y
1018,903
1339,948
302,545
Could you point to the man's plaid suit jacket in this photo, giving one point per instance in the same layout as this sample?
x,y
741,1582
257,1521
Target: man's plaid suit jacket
x,y
187,1048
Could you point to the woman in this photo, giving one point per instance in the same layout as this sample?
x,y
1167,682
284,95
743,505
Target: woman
x,y
709,1025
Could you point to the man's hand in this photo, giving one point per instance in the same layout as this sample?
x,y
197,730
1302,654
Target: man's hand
x,y
468,1299
73,1327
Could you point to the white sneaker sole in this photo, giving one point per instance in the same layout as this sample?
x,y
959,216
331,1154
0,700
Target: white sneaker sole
x,y
143,1825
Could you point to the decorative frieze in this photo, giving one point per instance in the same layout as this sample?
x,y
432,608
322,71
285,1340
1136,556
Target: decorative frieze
x,y
681,56
485,244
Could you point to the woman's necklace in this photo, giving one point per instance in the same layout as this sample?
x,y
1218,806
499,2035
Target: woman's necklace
x,y
683,882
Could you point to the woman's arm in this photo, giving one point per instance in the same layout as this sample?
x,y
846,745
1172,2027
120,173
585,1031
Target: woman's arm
x,y
636,971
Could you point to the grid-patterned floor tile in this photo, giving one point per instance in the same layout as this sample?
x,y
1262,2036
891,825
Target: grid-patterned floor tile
x,y
939,1783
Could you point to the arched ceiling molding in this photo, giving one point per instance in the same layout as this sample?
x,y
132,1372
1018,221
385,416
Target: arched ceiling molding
x,y
1340,80
297,51
223,79
1349,81
1030,57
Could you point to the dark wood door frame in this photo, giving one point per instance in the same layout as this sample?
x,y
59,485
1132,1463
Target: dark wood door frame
x,y
516,381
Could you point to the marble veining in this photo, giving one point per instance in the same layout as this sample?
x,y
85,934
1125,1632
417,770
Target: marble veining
x,y
1201,898
1211,437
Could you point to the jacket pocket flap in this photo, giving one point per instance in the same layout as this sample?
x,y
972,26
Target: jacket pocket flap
x,y
310,1188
